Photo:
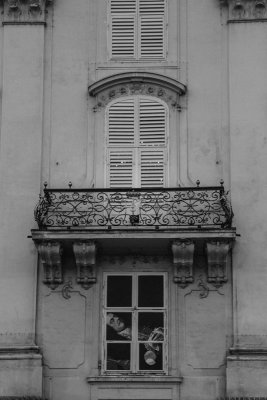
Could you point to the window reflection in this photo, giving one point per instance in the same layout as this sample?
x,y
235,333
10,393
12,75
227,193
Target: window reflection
x,y
118,356
119,291
150,291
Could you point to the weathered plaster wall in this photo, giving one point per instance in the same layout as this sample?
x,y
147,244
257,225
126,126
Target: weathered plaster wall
x,y
247,69
20,165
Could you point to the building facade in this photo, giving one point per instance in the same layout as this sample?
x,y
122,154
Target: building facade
x,y
139,272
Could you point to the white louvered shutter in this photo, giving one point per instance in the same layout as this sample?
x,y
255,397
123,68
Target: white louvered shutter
x,y
137,143
121,134
152,168
123,28
120,168
138,29
152,123
121,128
152,28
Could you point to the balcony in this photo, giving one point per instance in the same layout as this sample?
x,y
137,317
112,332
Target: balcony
x,y
138,209
152,221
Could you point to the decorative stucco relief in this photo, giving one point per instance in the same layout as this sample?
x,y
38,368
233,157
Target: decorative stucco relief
x,y
25,11
245,10
205,329
102,99
63,330
134,83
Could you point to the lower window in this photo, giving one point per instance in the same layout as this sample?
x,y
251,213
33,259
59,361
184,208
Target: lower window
x,y
135,323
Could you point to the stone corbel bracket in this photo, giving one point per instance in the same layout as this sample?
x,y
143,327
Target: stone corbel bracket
x,y
25,11
245,10
217,254
50,254
85,257
183,260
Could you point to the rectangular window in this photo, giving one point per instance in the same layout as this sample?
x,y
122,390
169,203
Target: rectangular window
x,y
137,29
135,323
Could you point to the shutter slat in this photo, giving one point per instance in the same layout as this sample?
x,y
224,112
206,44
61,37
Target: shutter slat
x,y
123,6
151,6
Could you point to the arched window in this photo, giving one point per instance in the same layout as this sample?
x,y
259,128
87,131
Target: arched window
x,y
136,142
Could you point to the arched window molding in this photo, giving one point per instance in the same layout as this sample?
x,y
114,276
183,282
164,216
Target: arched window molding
x,y
132,83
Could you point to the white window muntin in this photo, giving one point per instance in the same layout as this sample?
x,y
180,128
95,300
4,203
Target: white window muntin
x,y
135,310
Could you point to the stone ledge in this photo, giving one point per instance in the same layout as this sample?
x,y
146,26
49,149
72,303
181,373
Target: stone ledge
x,y
134,378
21,398
20,353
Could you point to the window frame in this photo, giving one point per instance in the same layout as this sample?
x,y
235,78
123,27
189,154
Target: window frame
x,y
135,311
137,43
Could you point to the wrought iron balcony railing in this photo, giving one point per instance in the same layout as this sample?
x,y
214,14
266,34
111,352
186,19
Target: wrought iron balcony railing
x,y
178,208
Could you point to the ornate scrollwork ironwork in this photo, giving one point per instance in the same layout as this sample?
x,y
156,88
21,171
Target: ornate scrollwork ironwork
x,y
175,207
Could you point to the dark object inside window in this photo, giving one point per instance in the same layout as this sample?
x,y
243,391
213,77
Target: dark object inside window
x,y
118,326
150,356
151,326
118,356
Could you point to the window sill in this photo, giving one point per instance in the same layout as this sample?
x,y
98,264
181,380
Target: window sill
x,y
134,378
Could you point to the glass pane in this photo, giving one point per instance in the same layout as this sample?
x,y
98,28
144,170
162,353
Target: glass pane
x,y
150,356
151,326
118,356
150,291
119,291
118,326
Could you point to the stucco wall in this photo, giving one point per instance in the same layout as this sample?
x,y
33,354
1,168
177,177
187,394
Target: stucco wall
x,y
49,132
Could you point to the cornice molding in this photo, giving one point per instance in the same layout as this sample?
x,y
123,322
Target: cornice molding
x,y
131,83
21,12
245,10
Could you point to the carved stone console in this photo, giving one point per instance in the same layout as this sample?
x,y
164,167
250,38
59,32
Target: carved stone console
x,y
25,11
50,255
183,259
85,253
245,10
217,252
